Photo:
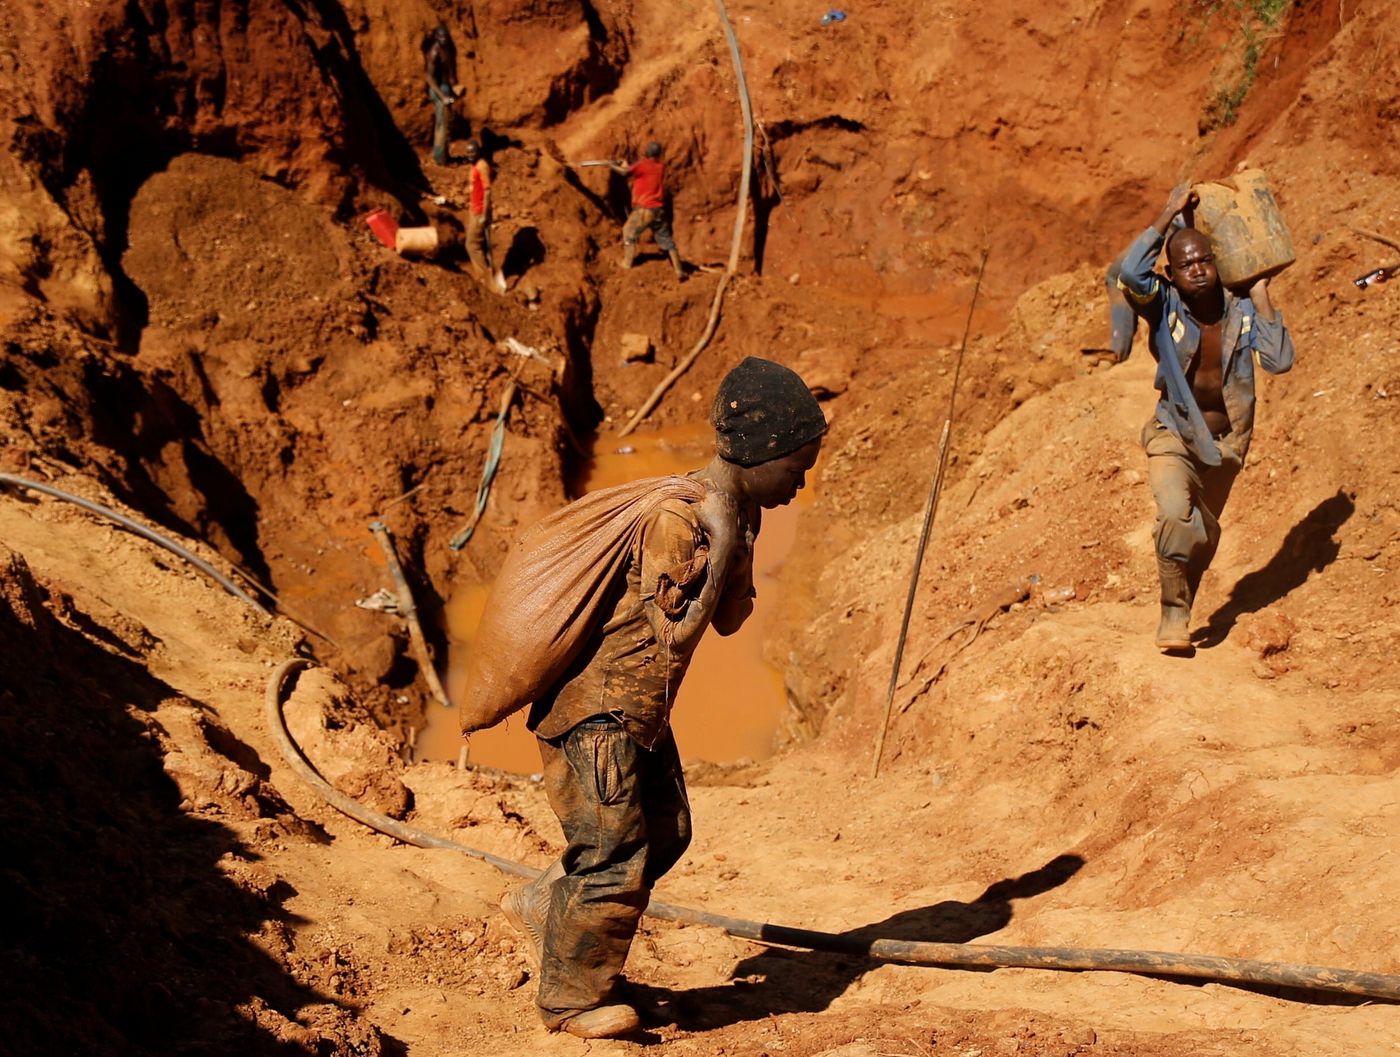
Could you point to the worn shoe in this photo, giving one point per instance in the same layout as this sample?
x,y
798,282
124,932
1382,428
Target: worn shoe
x,y
1174,629
516,905
604,1022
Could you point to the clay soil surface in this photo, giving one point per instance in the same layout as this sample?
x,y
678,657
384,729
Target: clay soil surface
x,y
198,329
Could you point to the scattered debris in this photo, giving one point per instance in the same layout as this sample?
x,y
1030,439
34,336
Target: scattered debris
x,y
1269,635
518,348
1379,275
637,348
382,601
384,226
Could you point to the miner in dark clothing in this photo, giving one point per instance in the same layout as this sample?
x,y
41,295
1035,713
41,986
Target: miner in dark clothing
x,y
440,71
610,764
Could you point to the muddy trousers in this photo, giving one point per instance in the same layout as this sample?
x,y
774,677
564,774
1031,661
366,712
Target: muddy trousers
x,y
639,222
626,821
442,116
479,244
1190,497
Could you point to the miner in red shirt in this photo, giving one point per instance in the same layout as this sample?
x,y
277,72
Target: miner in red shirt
x,y
648,180
479,219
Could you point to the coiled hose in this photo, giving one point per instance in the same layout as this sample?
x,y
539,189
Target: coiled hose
x,y
1156,963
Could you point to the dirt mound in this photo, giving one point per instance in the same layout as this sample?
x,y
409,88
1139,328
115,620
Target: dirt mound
x,y
211,213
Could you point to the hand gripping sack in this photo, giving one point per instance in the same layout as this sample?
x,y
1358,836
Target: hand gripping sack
x,y
547,598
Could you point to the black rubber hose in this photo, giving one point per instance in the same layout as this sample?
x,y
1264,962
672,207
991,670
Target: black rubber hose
x,y
276,723
174,548
140,530
1156,963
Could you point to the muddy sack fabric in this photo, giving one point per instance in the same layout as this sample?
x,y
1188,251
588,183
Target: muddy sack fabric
x,y
547,599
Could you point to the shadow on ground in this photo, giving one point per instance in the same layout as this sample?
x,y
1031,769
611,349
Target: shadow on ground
x,y
1310,546
124,935
787,981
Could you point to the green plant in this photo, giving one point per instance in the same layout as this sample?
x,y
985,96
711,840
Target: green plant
x,y
1266,11
1260,18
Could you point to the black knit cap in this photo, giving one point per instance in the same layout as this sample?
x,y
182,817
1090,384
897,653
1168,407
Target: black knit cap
x,y
762,412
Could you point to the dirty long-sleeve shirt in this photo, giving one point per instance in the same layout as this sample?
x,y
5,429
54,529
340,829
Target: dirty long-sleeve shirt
x,y
1175,338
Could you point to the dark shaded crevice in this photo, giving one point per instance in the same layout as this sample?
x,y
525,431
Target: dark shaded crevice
x,y
116,408
525,252
781,130
597,32
142,421
597,75
372,139
580,408
228,505
766,194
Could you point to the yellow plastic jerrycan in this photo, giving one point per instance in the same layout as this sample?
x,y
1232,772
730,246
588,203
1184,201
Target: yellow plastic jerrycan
x,y
1245,228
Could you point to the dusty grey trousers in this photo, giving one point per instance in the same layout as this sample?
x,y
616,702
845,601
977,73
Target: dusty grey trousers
x,y
442,118
626,819
1190,497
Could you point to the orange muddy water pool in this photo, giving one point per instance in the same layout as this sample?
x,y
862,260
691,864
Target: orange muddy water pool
x,y
731,701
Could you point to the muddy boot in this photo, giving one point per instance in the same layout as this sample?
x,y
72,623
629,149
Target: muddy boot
x,y
1193,582
629,253
527,905
604,1022
677,265
1174,631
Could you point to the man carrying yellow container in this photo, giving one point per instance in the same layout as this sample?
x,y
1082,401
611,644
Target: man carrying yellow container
x,y
1206,342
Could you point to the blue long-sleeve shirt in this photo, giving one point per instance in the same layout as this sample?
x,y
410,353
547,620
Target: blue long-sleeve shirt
x,y
1175,338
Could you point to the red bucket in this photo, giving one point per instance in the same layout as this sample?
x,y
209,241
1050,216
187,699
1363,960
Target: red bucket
x,y
384,226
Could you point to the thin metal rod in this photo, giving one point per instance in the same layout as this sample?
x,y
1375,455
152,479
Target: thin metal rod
x,y
930,510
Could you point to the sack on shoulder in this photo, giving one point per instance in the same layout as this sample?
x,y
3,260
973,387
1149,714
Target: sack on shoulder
x,y
548,597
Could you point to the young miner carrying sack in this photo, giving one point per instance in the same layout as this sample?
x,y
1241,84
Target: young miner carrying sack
x,y
593,622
